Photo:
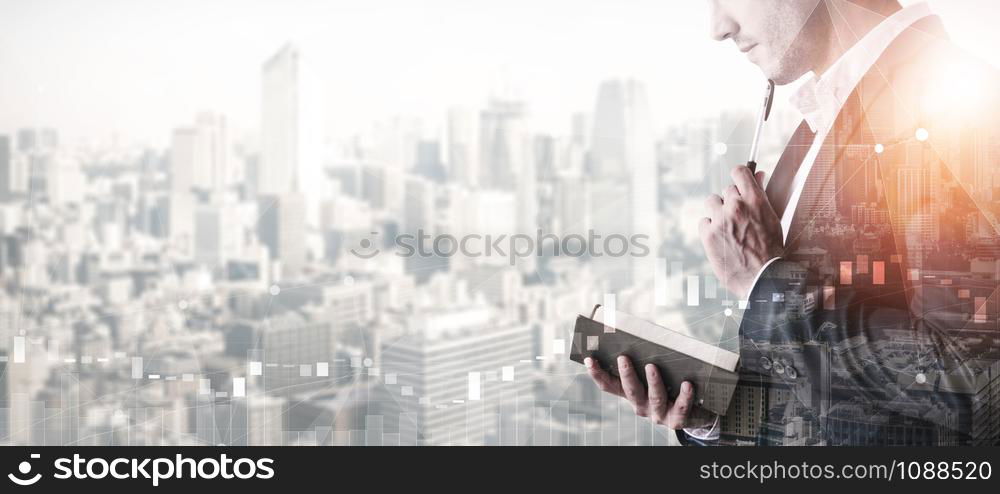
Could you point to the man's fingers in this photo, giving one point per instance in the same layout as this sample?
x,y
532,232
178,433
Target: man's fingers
x,y
745,181
635,392
713,203
603,380
703,227
678,413
760,178
731,194
658,401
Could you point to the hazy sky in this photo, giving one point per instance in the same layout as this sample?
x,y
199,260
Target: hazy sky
x,y
137,68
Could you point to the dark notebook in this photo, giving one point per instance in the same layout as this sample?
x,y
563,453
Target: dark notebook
x,y
712,370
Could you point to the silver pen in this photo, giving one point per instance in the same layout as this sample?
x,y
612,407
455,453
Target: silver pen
x,y
762,115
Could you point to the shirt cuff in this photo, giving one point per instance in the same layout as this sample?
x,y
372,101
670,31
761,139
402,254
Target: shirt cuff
x,y
757,278
707,433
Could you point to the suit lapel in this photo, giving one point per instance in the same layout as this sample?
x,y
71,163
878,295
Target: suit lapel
x,y
779,188
834,166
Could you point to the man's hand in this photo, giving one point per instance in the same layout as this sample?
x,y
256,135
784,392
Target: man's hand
x,y
652,403
742,232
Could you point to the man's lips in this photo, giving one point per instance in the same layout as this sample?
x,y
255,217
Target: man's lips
x,y
747,48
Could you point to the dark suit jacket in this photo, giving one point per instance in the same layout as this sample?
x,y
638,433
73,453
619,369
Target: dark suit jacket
x,y
879,324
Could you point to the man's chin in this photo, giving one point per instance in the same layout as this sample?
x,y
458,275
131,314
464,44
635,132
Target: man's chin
x,y
780,75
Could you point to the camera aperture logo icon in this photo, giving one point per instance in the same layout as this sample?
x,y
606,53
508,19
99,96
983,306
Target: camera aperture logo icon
x,y
25,468
368,249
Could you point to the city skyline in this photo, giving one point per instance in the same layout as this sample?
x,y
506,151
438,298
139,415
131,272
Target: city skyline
x,y
146,70
231,272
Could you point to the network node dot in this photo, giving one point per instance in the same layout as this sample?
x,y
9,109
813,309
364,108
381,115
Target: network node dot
x,y
728,312
922,134
368,362
879,149
182,305
921,378
274,290
721,148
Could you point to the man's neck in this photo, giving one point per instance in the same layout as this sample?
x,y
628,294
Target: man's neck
x,y
851,20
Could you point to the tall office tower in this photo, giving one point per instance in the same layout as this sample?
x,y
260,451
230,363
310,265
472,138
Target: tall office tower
x,y
373,185
546,172
453,372
296,343
27,140
5,168
920,223
580,129
217,230
282,228
571,205
239,421
544,155
420,211
4,397
394,148
290,128
422,218
39,172
572,157
621,142
463,147
214,152
503,147
180,220
527,210
63,178
184,153
199,155
429,161
985,407
622,153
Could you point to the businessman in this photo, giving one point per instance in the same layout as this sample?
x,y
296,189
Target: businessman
x,y
869,260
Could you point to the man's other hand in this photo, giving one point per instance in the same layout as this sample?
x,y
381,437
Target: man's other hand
x,y
742,232
653,402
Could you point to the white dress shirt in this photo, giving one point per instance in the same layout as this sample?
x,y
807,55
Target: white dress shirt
x,y
820,100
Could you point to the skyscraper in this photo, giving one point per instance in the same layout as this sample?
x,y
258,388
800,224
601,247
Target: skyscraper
x,y
4,400
214,172
216,233
5,167
282,229
503,144
623,154
183,159
453,372
290,131
463,147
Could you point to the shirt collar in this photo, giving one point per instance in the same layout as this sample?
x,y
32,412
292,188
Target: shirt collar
x,y
820,99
